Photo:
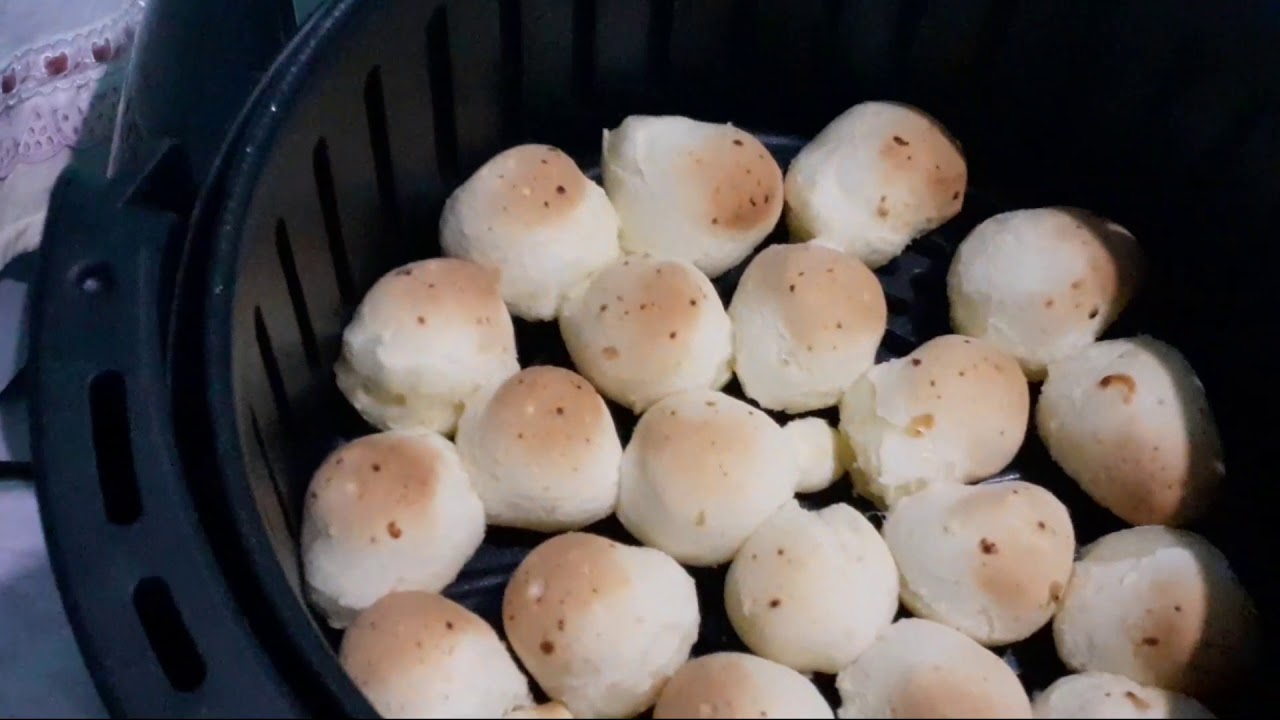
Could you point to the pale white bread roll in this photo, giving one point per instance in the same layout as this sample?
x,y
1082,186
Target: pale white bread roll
x,y
545,711
601,626
877,177
420,655
738,685
425,337
702,471
922,669
824,453
701,192
1129,421
812,590
807,320
387,512
955,410
1101,695
533,215
644,328
542,451
991,561
1042,283
1160,607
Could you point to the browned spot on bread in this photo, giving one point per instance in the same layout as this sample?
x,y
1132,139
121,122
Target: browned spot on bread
x,y
746,186
448,624
610,353
1093,313
393,530
920,424
916,362
701,519
781,552
1055,592
1077,284
422,320
1151,641
560,624
882,210
566,576
1122,382
547,647
533,186
1048,303
520,405
988,547
1136,701
900,140
775,603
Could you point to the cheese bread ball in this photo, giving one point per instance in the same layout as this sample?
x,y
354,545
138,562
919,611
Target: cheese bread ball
x,y
424,338
824,453
737,685
1042,283
991,561
387,512
921,669
530,213
953,411
1129,421
702,471
879,176
1101,695
542,451
812,590
688,190
420,655
644,329
1160,607
807,320
600,625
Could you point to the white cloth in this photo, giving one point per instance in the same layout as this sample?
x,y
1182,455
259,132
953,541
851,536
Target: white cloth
x,y
62,64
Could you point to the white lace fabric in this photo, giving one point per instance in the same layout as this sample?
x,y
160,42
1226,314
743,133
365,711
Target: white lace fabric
x,y
56,95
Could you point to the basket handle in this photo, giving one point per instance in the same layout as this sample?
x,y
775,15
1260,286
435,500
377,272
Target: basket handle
x,y
156,621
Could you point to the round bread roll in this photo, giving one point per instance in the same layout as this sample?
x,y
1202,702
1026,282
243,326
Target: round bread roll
x,y
701,473
1041,284
387,512
922,669
545,711
955,410
812,590
601,626
645,328
1129,421
542,451
425,337
533,215
738,685
824,454
807,320
877,177
1160,607
420,655
689,190
991,561
1101,695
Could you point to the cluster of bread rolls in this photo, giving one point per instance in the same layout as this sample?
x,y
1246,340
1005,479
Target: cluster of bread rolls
x,y
1148,617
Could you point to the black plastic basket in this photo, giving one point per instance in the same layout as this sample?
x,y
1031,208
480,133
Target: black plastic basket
x,y
181,406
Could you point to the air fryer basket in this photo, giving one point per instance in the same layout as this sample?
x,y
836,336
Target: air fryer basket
x,y
1163,116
